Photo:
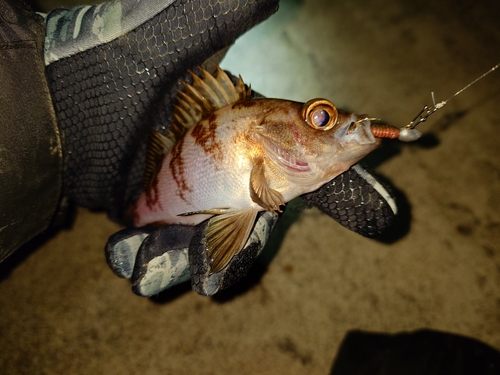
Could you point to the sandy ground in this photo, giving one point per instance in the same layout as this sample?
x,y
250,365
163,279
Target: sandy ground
x,y
64,312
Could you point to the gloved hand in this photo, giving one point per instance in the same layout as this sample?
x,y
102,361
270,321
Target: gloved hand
x,y
114,72
156,259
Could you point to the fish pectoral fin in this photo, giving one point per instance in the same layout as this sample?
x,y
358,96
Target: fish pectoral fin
x,y
158,146
227,234
260,191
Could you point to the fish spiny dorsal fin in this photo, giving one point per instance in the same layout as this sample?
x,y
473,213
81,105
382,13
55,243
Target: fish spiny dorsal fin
x,y
205,95
197,101
223,96
158,146
237,92
243,91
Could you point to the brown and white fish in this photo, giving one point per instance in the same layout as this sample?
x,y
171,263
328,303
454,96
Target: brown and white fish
x,y
229,156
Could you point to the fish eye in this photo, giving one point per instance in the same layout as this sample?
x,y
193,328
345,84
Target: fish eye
x,y
320,114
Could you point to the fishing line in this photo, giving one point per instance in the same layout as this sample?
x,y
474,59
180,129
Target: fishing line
x,y
429,110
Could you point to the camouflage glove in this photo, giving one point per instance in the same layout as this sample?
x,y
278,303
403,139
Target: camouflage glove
x,y
114,72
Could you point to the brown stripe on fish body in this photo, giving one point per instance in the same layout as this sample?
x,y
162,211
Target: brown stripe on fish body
x,y
205,136
177,169
152,194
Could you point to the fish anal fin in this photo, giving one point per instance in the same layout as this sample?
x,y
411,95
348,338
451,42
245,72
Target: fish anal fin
x,y
227,234
158,146
260,191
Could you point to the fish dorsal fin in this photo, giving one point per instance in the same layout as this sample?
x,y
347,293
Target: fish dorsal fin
x,y
227,234
158,146
197,101
260,191
206,95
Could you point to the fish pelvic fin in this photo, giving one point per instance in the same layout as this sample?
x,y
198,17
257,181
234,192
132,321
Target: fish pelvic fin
x,y
205,95
158,146
260,191
227,234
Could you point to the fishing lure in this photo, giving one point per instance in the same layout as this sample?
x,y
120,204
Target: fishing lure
x,y
408,133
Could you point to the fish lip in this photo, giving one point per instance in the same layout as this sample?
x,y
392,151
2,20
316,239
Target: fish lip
x,y
285,158
357,130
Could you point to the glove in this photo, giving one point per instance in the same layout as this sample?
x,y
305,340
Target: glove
x,y
357,200
114,71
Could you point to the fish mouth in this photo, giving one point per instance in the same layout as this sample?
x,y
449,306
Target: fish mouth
x,y
285,158
358,131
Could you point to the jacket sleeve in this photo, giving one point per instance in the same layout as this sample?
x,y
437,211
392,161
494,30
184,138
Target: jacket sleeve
x,y
30,145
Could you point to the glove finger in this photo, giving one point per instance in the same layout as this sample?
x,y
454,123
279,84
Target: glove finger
x,y
122,247
356,200
207,284
162,260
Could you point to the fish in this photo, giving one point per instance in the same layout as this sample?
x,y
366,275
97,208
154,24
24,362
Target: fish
x,y
229,155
